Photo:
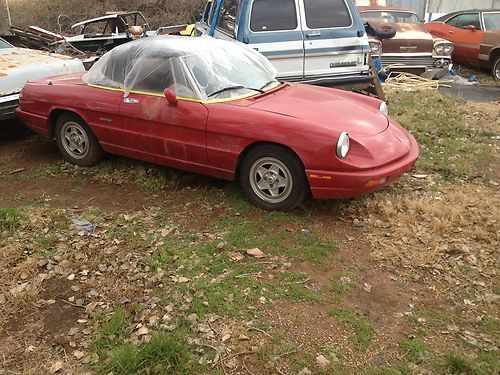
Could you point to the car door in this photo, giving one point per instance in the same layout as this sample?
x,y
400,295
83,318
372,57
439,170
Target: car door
x,y
467,40
334,39
156,131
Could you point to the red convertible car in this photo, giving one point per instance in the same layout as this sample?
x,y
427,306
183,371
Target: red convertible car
x,y
214,107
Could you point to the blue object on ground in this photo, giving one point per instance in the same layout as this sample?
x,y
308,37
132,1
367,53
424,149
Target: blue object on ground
x,y
378,65
473,78
453,72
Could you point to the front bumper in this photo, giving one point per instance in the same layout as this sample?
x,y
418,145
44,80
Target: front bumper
x,y
417,64
343,185
8,105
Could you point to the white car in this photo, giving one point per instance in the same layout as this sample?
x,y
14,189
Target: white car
x,y
20,65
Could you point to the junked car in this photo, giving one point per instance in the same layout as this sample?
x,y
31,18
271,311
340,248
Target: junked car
x,y
18,65
476,35
412,48
215,107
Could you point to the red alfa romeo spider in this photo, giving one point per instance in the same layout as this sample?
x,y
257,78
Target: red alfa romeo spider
x,y
214,107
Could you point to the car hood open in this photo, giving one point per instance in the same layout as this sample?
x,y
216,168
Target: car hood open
x,y
324,107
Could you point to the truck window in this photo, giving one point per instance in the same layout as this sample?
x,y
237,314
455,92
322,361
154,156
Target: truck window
x,y
228,19
273,15
322,14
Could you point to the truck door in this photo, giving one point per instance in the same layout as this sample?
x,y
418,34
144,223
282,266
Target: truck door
x,y
274,29
334,41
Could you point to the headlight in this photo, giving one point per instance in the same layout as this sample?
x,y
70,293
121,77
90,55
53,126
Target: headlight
x,y
375,47
343,145
443,49
384,108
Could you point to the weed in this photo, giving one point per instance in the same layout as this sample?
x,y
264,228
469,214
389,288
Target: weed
x,y
482,364
363,330
112,332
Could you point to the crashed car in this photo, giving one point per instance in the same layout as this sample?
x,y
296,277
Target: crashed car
x,y
18,65
476,35
215,107
412,48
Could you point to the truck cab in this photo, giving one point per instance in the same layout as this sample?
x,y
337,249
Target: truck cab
x,y
313,41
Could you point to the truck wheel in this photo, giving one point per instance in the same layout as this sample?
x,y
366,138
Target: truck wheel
x,y
496,68
273,178
76,142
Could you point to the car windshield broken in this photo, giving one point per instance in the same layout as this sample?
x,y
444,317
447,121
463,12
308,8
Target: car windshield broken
x,y
195,68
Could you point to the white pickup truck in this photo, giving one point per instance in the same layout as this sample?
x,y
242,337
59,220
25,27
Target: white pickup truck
x,y
18,65
313,41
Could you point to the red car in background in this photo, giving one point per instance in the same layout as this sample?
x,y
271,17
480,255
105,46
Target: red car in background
x,y
476,36
214,107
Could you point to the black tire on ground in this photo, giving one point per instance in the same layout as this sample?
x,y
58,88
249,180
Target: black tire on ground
x,y
273,178
76,142
495,70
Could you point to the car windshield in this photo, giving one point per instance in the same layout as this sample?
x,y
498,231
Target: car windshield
x,y
492,21
390,16
4,44
195,68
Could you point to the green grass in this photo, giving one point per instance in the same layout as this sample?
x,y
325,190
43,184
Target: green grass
x,y
10,220
112,332
480,364
414,349
363,330
164,354
449,146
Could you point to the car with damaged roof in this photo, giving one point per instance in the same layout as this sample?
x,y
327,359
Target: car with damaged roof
x,y
18,65
476,34
214,107
409,47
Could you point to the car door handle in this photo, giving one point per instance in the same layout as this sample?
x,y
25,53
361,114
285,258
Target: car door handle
x,y
313,35
130,101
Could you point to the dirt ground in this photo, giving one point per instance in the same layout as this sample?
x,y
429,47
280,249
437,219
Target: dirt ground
x,y
394,283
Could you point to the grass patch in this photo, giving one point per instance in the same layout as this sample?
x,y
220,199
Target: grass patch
x,y
413,349
10,220
481,364
358,322
164,354
113,332
449,145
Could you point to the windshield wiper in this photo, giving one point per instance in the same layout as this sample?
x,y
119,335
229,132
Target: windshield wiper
x,y
234,88
268,83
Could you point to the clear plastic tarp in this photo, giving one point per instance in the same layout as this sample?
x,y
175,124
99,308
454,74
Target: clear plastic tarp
x,y
200,68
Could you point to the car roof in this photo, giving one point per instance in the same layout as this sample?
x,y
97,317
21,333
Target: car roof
x,y
446,17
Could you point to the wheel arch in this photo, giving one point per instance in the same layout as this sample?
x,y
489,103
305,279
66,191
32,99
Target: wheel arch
x,y
257,144
54,115
495,52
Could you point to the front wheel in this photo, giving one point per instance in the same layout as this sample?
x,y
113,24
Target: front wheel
x,y
76,142
496,68
273,178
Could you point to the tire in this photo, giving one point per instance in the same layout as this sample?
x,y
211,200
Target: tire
x,y
76,142
273,178
495,70
382,31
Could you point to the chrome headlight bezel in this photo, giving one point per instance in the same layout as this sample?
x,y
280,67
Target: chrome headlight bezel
x,y
343,145
443,48
384,108
375,47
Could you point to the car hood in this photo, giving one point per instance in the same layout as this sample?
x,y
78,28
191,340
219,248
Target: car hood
x,y
18,65
409,38
325,108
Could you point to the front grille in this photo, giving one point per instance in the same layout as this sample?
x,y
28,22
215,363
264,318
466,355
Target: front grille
x,y
8,109
426,61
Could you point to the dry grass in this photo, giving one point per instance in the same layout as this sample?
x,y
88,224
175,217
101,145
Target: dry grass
x,y
44,13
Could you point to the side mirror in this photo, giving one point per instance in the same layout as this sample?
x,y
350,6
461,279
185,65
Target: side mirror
x,y
471,27
171,97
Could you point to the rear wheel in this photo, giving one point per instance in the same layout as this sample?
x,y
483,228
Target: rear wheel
x,y
273,178
76,142
496,68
